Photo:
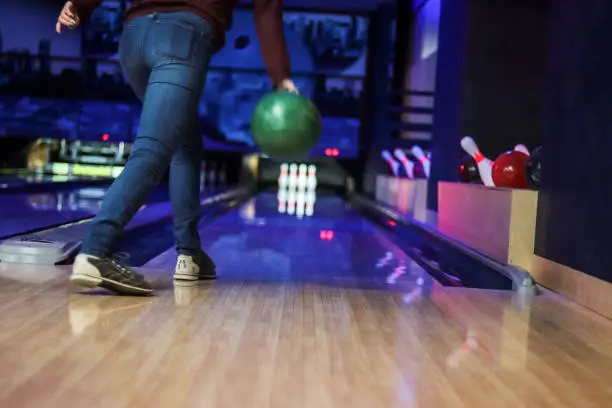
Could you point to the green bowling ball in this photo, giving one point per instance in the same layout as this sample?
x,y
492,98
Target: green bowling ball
x,y
285,125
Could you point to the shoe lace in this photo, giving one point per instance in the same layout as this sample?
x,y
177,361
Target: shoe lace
x,y
116,260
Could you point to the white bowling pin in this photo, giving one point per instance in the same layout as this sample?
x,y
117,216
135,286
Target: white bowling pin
x,y
291,201
393,164
282,200
312,177
521,148
420,156
485,166
293,169
283,177
303,176
408,165
311,197
300,204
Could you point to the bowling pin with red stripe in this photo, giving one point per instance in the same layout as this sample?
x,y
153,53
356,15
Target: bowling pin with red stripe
x,y
420,156
485,166
521,148
393,164
408,165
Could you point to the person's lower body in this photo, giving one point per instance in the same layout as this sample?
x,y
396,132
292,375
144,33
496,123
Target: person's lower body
x,y
192,263
165,57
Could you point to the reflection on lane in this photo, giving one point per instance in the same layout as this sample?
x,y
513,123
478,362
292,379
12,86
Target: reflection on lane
x,y
84,199
333,246
27,212
22,213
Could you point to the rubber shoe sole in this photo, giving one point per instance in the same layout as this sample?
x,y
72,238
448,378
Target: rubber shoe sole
x,y
89,281
86,273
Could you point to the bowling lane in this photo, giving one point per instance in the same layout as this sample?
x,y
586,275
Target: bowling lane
x,y
23,213
306,313
262,242
11,183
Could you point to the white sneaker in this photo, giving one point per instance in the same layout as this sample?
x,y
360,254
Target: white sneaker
x,y
189,269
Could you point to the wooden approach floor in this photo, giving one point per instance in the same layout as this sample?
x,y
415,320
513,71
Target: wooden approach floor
x,y
243,344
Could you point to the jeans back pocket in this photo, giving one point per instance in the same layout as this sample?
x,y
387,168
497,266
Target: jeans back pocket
x,y
174,40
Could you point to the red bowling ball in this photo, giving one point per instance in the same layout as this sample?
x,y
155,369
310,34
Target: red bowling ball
x,y
509,170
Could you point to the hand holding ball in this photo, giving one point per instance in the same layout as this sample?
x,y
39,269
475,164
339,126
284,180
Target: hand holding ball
x,y
285,125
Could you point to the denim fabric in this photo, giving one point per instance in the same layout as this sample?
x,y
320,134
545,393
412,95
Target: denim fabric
x,y
165,57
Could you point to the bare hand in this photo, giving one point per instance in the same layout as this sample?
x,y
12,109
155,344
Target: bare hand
x,y
67,18
288,85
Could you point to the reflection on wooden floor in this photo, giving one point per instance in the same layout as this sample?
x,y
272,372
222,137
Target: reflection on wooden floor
x,y
291,345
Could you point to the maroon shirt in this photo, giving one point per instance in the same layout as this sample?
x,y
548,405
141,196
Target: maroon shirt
x,y
268,23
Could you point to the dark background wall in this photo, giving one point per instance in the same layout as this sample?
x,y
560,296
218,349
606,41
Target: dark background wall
x,y
490,82
63,97
575,207
375,130
505,73
39,16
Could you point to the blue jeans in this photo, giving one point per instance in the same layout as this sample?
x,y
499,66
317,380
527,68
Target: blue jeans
x,y
165,57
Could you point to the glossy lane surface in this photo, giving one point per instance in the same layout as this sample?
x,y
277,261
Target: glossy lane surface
x,y
8,180
21,213
318,312
26,212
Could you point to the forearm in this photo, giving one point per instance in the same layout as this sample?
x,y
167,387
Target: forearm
x,y
84,8
269,26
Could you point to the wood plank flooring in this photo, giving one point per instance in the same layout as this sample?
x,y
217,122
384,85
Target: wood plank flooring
x,y
243,344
